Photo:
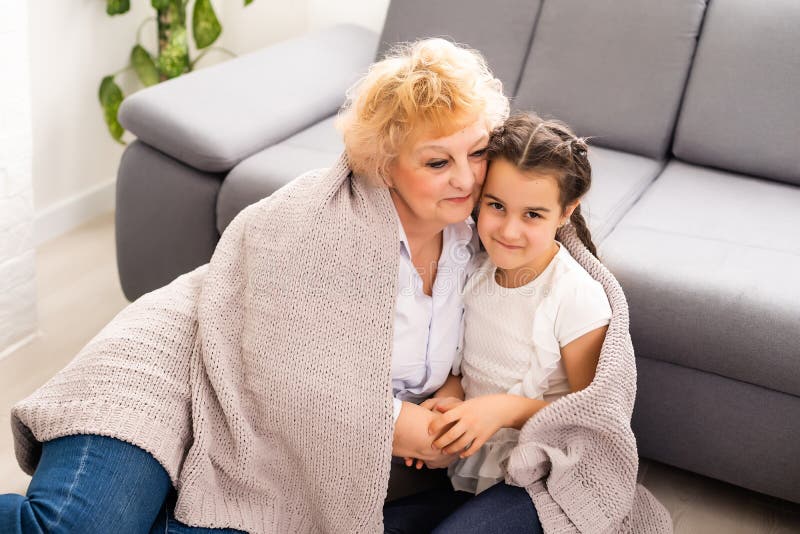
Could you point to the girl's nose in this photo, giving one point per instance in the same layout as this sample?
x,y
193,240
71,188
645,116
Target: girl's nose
x,y
510,231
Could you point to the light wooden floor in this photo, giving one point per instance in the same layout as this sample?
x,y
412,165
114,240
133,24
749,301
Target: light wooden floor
x,y
79,292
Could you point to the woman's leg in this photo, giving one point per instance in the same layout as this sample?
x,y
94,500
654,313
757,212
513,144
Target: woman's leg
x,y
166,523
88,484
500,509
421,512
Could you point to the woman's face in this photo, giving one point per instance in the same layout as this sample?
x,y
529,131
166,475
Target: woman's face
x,y
436,181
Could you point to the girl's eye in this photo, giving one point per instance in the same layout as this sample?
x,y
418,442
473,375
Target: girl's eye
x,y
495,205
437,164
479,153
532,215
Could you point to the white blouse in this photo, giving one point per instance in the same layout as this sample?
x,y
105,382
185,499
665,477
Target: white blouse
x,y
428,329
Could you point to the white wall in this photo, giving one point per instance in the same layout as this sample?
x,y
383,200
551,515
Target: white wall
x,y
367,13
74,44
17,269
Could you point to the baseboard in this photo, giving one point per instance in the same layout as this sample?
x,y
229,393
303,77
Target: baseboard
x,y
67,214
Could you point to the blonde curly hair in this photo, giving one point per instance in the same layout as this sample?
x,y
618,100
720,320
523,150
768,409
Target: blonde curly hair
x,y
431,86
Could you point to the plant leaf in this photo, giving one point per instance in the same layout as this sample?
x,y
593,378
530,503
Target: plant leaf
x,y
144,66
174,58
205,25
117,7
159,4
110,98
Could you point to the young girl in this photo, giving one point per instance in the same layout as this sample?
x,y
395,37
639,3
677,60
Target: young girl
x,y
534,320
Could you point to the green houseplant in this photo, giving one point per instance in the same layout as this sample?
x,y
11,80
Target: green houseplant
x,y
172,58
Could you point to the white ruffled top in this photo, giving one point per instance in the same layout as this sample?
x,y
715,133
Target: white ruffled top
x,y
512,344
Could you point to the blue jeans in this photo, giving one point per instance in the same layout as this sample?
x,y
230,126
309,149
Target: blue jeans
x,y
94,484
501,509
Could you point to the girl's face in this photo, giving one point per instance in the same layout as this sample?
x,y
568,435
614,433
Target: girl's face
x,y
436,181
519,216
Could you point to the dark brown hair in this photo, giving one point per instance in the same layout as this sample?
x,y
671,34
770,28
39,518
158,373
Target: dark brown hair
x,y
530,143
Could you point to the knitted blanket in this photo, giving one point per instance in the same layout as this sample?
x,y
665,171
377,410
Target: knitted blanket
x,y
577,457
261,381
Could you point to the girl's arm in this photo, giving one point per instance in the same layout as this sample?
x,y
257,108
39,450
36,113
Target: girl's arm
x,y
580,358
474,421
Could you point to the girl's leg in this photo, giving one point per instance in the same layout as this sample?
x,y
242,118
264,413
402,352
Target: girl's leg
x,y
500,509
166,523
422,511
88,484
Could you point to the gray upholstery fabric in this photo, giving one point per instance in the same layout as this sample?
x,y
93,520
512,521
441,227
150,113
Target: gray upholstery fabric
x,y
164,219
500,30
211,119
614,69
262,174
709,263
742,104
733,431
618,179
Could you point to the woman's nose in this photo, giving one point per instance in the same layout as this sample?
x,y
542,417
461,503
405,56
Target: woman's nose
x,y
462,178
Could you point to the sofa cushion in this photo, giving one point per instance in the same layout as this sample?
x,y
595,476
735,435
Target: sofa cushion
x,y
265,172
500,30
212,119
709,262
742,106
618,179
614,69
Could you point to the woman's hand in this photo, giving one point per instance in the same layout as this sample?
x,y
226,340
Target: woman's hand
x,y
411,438
466,425
443,460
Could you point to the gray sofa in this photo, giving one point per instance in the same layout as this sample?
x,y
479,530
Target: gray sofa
x,y
694,110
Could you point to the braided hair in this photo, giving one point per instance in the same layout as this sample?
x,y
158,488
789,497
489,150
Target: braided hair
x,y
529,142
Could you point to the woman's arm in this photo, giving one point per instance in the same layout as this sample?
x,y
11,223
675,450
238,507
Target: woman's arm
x,y
450,388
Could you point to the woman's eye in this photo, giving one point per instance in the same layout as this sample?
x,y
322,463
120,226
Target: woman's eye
x,y
479,153
437,164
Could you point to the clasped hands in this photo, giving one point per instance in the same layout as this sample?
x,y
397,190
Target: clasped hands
x,y
459,428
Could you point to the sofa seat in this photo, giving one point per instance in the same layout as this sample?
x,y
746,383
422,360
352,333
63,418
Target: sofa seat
x,y
267,171
618,180
709,261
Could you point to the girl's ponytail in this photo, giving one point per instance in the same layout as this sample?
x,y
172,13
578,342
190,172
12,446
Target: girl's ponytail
x,y
582,230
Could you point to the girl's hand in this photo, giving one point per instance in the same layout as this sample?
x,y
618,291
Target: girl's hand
x,y
464,427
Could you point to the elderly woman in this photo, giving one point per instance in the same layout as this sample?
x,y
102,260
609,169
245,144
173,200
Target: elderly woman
x,y
267,390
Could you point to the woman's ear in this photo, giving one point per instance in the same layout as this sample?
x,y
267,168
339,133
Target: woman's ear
x,y
385,176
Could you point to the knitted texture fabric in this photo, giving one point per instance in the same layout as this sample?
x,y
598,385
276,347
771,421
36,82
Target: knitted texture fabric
x,y
261,380
577,457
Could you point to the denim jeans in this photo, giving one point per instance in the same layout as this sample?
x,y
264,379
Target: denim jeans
x,y
500,509
94,484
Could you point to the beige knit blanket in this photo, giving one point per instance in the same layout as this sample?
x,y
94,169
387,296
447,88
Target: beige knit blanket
x,y
577,457
261,381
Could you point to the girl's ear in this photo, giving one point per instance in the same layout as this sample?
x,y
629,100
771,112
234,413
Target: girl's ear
x,y
569,209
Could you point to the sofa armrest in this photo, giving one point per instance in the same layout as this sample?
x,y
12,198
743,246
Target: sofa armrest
x,y
213,118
